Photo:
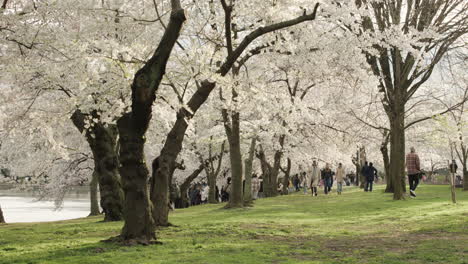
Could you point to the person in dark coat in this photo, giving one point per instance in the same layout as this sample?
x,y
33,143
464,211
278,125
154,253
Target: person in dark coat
x,y
365,173
327,176
370,174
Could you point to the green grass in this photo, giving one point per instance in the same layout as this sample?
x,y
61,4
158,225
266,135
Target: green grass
x,y
355,227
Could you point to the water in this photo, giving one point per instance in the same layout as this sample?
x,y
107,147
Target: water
x,y
22,207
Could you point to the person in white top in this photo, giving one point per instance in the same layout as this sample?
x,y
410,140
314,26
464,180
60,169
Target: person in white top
x,y
314,178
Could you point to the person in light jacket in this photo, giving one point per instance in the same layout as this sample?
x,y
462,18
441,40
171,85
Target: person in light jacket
x,y
314,178
340,175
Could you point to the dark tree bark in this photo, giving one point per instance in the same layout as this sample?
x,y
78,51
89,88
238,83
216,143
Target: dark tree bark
x,y
186,185
139,224
93,190
397,149
173,143
2,219
235,155
102,140
157,185
386,161
232,127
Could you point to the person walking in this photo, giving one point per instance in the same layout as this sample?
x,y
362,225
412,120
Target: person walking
x,y
340,175
255,186
314,178
327,175
304,181
413,169
370,177
365,173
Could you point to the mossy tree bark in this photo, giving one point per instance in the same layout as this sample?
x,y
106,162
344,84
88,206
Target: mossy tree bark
x,y
139,226
102,140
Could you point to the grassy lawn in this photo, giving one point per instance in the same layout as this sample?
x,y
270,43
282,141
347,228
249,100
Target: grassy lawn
x,y
355,227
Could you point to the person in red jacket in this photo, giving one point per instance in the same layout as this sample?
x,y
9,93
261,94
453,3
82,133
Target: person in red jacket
x,y
413,168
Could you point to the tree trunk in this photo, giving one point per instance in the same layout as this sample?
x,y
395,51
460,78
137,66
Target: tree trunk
x,y
235,197
2,219
397,149
212,172
386,161
103,143
465,170
139,223
93,190
160,194
106,158
274,173
186,184
248,172
212,190
266,171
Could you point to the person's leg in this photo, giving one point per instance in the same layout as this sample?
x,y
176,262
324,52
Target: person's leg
x,y
366,186
416,182
325,186
370,185
410,181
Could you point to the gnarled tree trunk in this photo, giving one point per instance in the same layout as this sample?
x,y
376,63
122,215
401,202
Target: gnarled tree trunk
x,y
139,224
186,184
102,140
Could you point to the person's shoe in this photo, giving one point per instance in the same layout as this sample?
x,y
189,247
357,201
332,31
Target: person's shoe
x,y
412,193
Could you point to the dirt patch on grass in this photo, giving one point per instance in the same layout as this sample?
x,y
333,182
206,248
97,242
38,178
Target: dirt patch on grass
x,y
359,247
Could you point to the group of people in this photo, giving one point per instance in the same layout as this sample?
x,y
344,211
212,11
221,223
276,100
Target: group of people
x,y
312,179
316,177
370,174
